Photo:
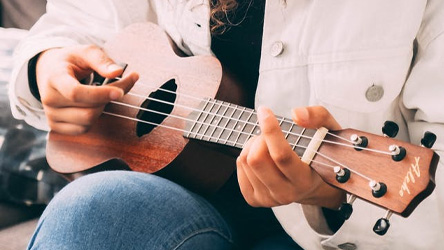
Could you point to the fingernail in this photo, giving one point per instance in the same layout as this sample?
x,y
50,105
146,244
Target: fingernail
x,y
115,94
114,67
135,77
301,114
263,112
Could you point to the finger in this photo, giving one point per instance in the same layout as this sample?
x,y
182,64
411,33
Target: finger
x,y
314,117
76,116
255,193
262,165
74,92
244,183
67,128
94,58
278,147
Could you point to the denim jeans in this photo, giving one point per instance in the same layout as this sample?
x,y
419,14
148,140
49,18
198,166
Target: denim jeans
x,y
130,210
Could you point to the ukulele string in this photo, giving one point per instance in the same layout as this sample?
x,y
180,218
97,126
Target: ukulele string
x,y
241,144
200,99
227,106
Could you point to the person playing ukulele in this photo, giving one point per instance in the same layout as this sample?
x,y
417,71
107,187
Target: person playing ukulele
x,y
361,62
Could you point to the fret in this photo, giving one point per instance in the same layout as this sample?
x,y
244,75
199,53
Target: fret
x,y
299,138
206,124
286,127
282,119
305,139
198,116
252,129
235,125
241,129
294,136
202,118
226,128
299,150
216,123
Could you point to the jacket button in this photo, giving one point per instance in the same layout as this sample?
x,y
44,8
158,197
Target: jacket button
x,y
347,246
374,93
277,48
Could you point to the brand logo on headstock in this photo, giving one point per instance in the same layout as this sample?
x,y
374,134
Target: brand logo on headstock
x,y
414,172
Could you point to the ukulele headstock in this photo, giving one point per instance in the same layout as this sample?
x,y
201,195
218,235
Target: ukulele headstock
x,y
389,173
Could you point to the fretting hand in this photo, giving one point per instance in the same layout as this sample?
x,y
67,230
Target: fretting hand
x,y
270,173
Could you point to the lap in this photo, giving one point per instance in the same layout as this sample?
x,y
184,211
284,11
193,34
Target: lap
x,y
130,210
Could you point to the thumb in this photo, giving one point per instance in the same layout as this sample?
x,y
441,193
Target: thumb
x,y
314,117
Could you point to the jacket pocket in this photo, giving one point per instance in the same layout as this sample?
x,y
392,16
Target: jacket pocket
x,y
362,82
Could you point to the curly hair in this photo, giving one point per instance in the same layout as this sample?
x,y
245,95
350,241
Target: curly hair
x,y
220,11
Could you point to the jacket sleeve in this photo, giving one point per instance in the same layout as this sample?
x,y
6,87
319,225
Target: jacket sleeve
x,y
67,23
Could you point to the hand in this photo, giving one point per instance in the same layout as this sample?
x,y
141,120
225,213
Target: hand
x,y
270,173
70,106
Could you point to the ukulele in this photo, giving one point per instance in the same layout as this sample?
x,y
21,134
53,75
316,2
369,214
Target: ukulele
x,y
185,120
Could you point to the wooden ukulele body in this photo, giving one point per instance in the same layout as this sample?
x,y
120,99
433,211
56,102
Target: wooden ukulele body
x,y
114,143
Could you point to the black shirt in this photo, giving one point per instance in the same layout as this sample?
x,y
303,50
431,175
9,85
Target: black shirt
x,y
239,47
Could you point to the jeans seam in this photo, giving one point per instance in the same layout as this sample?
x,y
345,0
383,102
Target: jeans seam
x,y
200,232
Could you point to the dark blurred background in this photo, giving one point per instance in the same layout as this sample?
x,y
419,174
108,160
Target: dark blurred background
x,y
27,183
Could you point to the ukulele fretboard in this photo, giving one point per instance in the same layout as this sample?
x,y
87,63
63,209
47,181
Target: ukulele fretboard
x,y
228,124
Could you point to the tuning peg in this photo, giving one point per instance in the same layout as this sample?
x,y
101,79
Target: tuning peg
x,y
359,141
390,129
398,153
379,189
346,208
428,140
342,174
382,225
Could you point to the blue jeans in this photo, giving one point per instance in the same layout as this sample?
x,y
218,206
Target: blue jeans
x,y
130,210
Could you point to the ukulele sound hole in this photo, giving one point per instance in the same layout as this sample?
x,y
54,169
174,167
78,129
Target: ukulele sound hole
x,y
157,107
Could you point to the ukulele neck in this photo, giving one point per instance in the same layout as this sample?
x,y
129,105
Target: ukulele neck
x,y
232,125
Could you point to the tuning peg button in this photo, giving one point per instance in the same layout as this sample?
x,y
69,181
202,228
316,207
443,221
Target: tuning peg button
x,y
382,225
390,129
428,140
346,208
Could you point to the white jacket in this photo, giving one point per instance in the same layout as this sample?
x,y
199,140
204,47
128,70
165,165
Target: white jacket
x,y
314,53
